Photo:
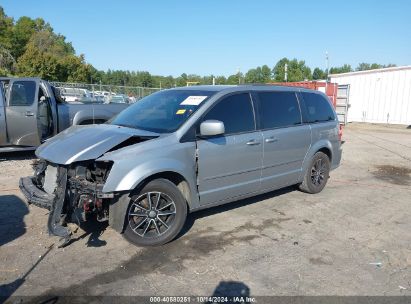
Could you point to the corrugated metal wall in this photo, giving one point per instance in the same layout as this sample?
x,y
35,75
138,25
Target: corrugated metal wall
x,y
379,96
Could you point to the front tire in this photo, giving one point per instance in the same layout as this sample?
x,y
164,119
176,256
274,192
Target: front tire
x,y
156,214
317,174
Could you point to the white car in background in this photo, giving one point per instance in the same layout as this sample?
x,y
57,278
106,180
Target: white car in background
x,y
75,94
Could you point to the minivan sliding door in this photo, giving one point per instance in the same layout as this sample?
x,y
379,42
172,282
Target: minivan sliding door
x,y
285,139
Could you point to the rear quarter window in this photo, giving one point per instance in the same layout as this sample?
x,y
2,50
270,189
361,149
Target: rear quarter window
x,y
317,108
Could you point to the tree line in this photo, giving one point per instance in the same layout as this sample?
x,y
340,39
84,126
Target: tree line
x,y
30,47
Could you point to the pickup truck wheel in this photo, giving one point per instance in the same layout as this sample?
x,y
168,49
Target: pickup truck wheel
x,y
156,214
317,174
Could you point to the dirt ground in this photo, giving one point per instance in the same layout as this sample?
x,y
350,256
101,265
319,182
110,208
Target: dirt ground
x,y
351,239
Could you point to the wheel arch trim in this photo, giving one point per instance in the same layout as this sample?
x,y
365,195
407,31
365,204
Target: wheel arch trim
x,y
324,146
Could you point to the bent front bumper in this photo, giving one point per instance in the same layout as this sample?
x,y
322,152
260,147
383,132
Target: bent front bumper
x,y
34,195
54,203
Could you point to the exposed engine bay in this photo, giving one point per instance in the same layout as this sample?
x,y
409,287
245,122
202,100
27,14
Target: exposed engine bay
x,y
75,191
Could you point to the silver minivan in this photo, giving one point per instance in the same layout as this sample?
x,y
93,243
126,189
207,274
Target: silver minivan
x,y
182,150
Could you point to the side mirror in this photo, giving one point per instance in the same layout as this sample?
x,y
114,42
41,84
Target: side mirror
x,y
212,128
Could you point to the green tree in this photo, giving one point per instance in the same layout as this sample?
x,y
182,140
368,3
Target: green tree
x,y
297,70
235,78
6,33
182,80
49,56
372,66
6,30
48,41
265,74
35,63
7,62
221,80
346,68
23,30
258,75
164,82
75,69
145,79
365,66
319,74
252,76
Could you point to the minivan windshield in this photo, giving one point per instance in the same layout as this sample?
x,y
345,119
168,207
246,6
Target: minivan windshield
x,y
162,112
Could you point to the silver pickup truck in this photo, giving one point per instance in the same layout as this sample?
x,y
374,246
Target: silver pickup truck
x,y
32,111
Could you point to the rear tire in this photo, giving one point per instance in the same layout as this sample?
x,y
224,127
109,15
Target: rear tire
x,y
317,174
156,214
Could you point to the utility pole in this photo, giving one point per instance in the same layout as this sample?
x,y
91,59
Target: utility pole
x,y
213,80
327,67
286,72
327,62
239,75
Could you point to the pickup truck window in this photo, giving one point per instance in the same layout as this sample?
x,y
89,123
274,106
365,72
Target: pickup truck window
x,y
22,93
162,112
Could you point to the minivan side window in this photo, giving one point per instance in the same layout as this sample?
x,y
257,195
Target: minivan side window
x,y
317,108
22,93
236,112
278,109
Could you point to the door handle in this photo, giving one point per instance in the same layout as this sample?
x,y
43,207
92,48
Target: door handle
x,y
252,142
28,114
271,140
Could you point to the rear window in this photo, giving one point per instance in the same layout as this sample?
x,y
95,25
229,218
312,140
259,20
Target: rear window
x,y
278,109
317,107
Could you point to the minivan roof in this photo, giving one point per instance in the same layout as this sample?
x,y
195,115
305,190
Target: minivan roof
x,y
233,88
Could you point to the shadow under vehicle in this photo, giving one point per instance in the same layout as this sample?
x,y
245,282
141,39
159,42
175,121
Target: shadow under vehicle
x,y
32,111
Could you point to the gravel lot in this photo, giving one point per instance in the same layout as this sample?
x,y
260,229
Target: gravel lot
x,y
351,239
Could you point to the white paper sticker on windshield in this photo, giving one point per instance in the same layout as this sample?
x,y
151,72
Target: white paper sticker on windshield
x,y
193,100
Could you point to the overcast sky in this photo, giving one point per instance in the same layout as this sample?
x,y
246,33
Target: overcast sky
x,y
218,37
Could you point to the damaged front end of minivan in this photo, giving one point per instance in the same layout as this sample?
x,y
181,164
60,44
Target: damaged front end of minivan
x,y
72,193
72,188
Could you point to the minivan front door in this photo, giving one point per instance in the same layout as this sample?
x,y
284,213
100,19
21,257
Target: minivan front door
x,y
229,166
21,113
286,139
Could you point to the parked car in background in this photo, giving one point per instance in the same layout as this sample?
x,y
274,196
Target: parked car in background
x,y
105,94
32,111
182,150
75,94
98,97
121,98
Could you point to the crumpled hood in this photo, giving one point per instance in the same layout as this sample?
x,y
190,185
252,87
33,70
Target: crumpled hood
x,y
80,143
